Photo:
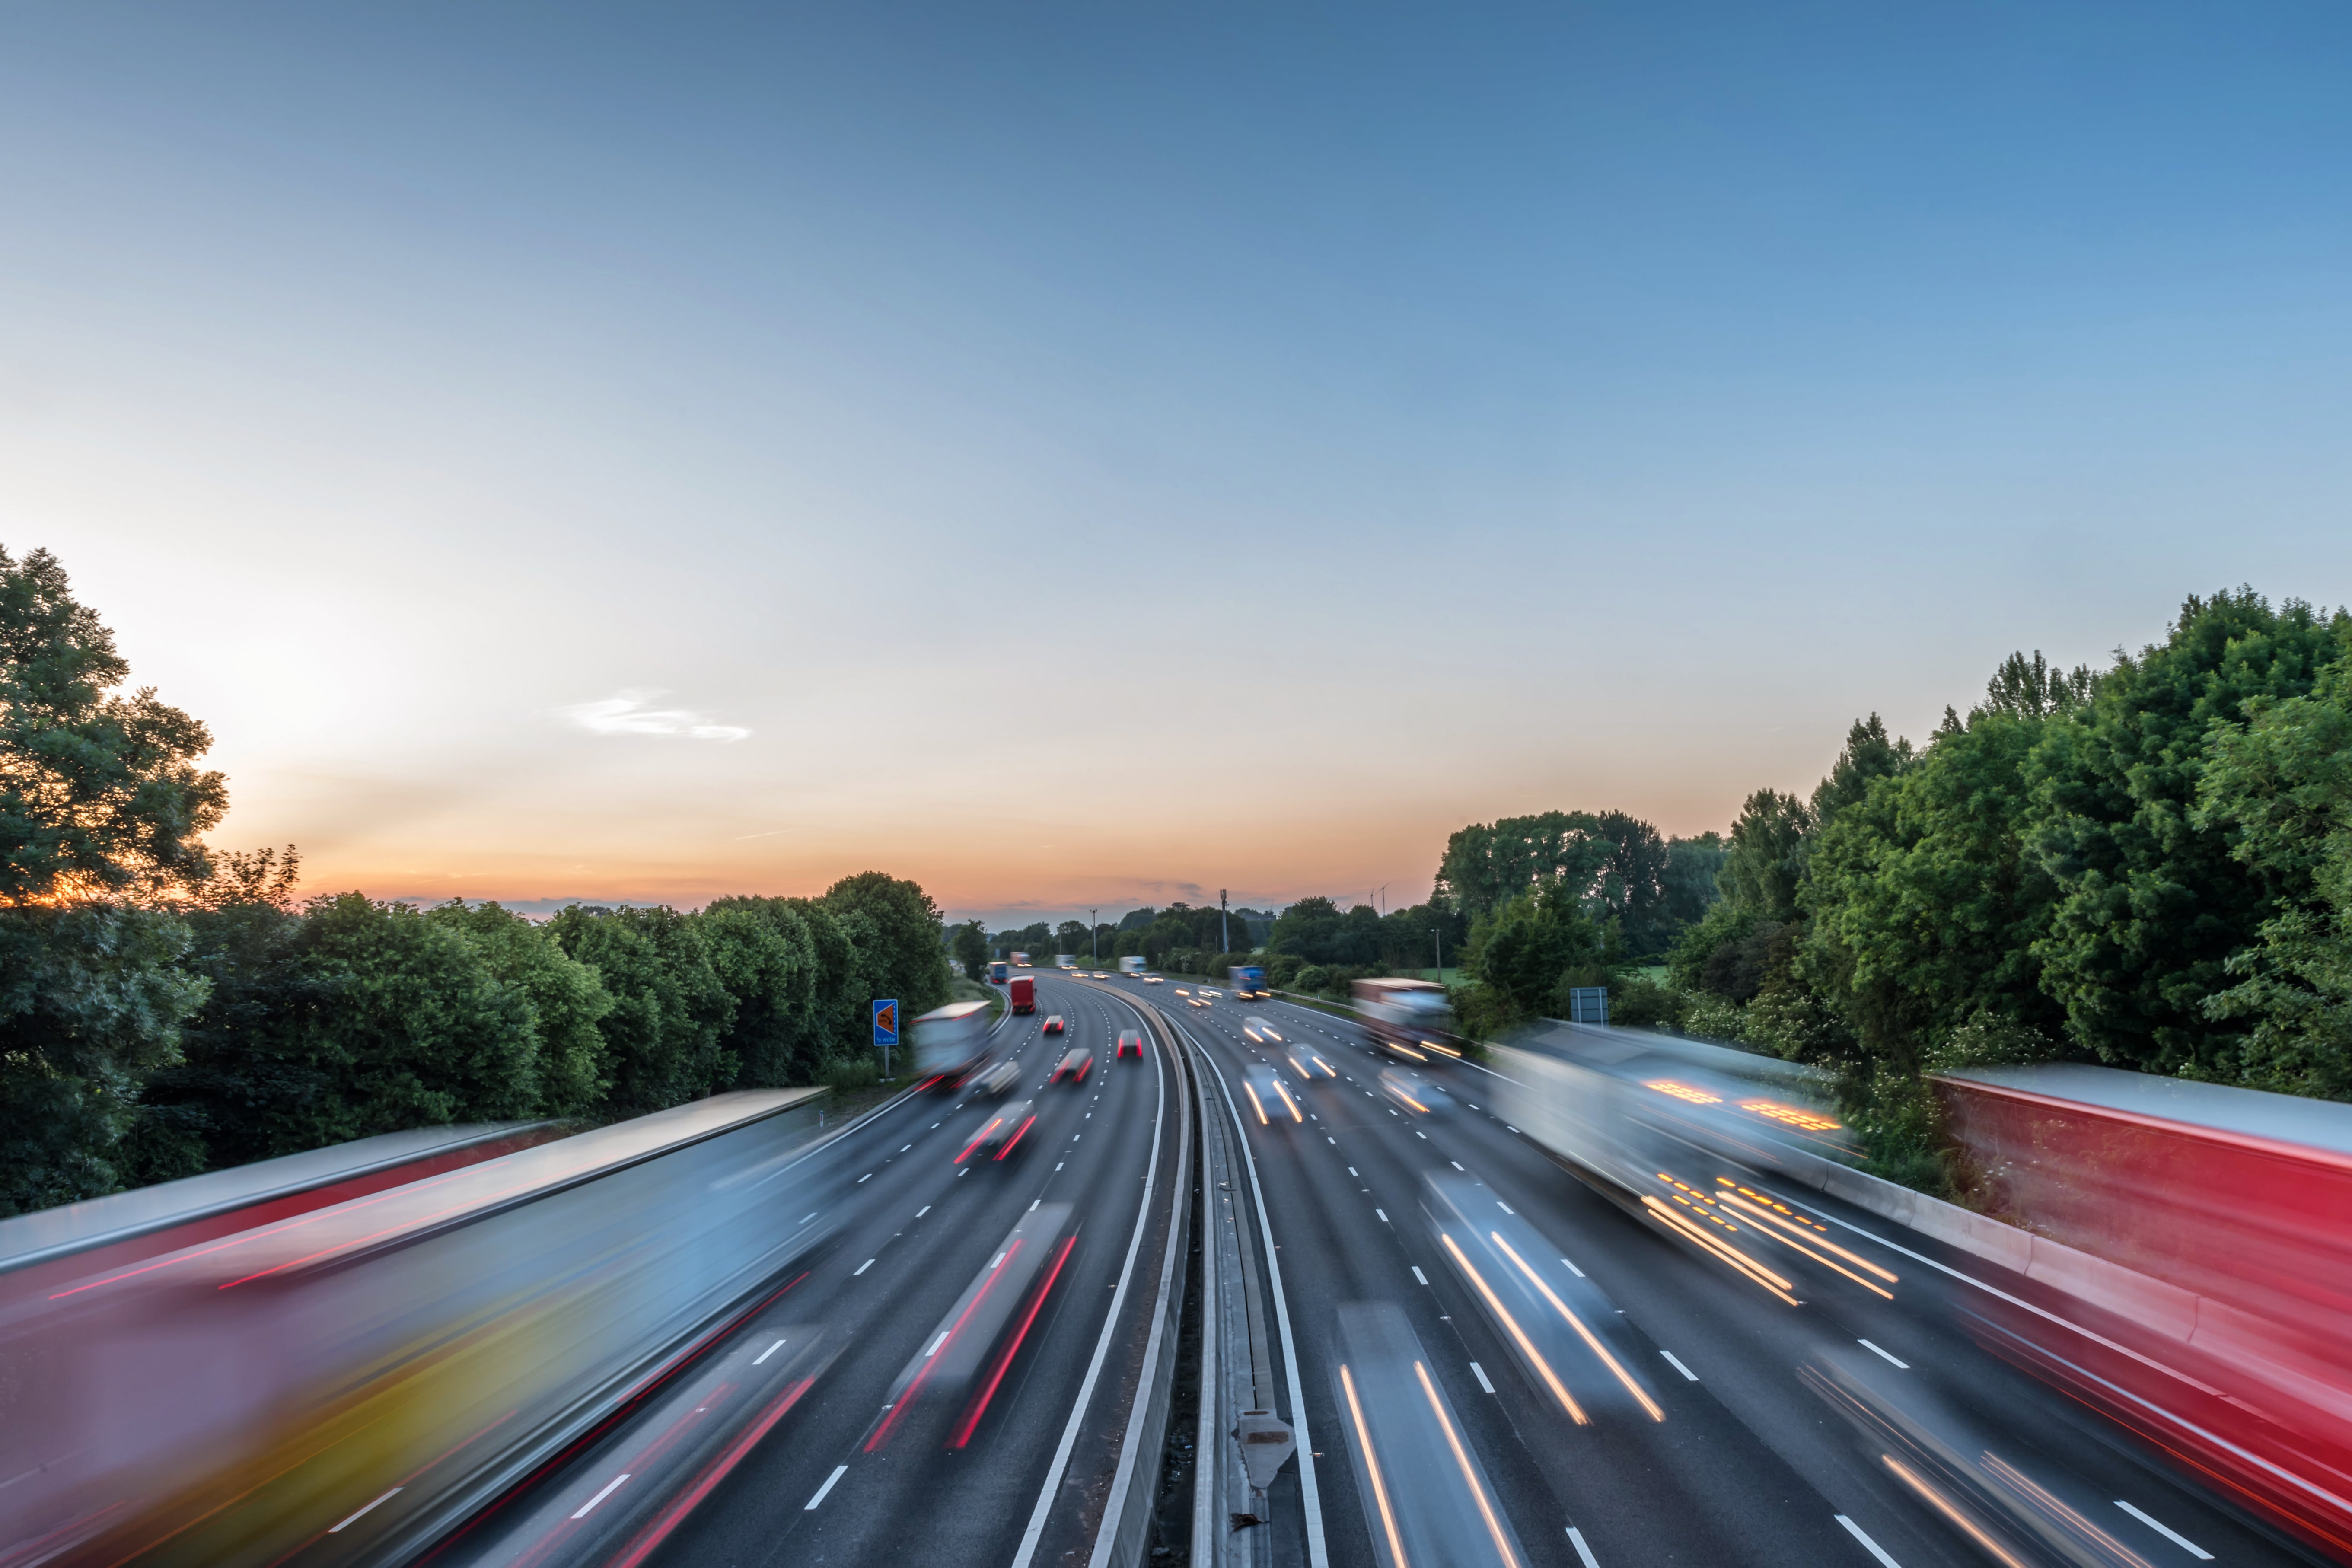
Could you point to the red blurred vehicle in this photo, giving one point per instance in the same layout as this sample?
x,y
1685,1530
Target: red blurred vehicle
x,y
1053,1024
2197,1242
1074,1068
1131,1043
1023,990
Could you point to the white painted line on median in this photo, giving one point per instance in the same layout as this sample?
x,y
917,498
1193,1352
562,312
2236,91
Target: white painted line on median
x,y
768,1351
610,1488
363,1512
1331,1141
921,1212
1383,1213
1583,1552
838,1471
1868,1543
1676,1362
903,1147
863,1180
1457,1166
1573,1268
861,1268
1419,1275
1884,1355
2167,1532
935,1344
1506,1208
1480,1374
1352,1171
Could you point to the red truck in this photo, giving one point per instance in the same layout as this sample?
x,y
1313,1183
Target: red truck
x,y
1024,992
2201,1283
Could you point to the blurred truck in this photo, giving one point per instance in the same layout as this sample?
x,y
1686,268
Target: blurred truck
x,y
951,1042
1247,979
999,973
1408,1017
1023,990
1132,965
1020,960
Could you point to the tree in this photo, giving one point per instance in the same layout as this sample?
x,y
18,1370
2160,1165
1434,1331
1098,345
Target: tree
x,y
762,951
99,795
2152,905
566,1000
670,1009
1688,883
901,944
1070,937
1485,867
1767,859
1868,755
1630,887
2279,788
1522,953
91,1001
971,943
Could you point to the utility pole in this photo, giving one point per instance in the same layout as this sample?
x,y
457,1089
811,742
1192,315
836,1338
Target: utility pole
x,y
1438,937
1224,922
1094,928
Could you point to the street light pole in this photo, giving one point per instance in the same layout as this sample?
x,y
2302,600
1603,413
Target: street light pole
x,y
1224,922
1094,930
1438,937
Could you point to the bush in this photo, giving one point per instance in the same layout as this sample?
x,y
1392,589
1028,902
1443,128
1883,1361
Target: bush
x,y
1646,1004
845,1074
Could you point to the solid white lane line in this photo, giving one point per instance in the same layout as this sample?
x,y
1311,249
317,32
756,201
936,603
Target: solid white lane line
x,y
363,1512
1884,1355
861,1268
1573,1268
838,1471
610,1488
1480,1374
1419,1275
768,1351
2167,1532
1676,1362
1583,1552
1868,1543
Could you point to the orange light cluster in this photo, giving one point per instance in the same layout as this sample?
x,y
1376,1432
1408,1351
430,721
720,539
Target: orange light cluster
x,y
1791,1116
1681,1091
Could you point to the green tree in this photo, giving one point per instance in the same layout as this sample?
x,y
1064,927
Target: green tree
x,y
670,1009
1689,882
566,1000
970,942
1522,953
92,1001
2151,905
99,795
1765,862
1487,866
762,952
901,944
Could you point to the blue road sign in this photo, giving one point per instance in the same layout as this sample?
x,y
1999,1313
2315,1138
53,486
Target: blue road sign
x,y
886,1021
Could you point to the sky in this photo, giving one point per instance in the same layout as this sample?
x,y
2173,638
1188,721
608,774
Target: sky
x,y
1091,455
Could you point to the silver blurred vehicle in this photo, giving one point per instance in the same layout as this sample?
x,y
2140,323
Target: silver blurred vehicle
x,y
997,1081
1414,1093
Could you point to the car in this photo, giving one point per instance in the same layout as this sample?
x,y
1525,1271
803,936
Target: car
x,y
1100,975
1267,1097
1054,1024
996,1082
1414,1093
1074,1067
1003,1133
1309,1063
1131,1043
1205,992
1153,980
1260,1029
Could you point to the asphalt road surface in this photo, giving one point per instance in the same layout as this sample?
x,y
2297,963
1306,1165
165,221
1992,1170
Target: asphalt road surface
x,y
945,1383
1700,1439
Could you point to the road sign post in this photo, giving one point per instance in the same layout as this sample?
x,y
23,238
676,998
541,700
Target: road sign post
x,y
886,1028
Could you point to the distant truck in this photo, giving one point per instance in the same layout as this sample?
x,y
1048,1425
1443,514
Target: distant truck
x,y
1020,960
1131,965
952,1043
1408,1017
1065,961
1023,990
999,973
1247,979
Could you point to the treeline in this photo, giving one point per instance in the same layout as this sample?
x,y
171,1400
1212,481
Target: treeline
x,y
2147,866
165,1010
1153,933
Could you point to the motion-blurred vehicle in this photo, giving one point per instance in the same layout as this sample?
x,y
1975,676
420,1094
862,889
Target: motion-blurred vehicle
x,y
998,971
1134,963
997,1081
1100,975
1409,1018
1074,1066
1247,979
1131,1043
1004,1130
1153,980
1053,1024
1020,960
1021,991
1414,1092
1065,961
1262,1090
1260,1029
1310,1062
952,1043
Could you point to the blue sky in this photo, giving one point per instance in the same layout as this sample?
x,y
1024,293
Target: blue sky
x,y
1074,455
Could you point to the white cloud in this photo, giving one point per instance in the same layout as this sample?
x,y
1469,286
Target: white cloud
x,y
630,712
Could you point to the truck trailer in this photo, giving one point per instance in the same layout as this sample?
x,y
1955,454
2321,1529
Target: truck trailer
x,y
952,1043
1023,990
1132,965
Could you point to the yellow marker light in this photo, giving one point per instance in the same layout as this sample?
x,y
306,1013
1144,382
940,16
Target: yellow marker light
x,y
1527,1346
1251,1089
1372,1465
1681,1091
1790,1115
1469,1476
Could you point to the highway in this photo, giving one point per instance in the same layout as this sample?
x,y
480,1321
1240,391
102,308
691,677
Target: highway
x,y
948,1380
1679,1425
